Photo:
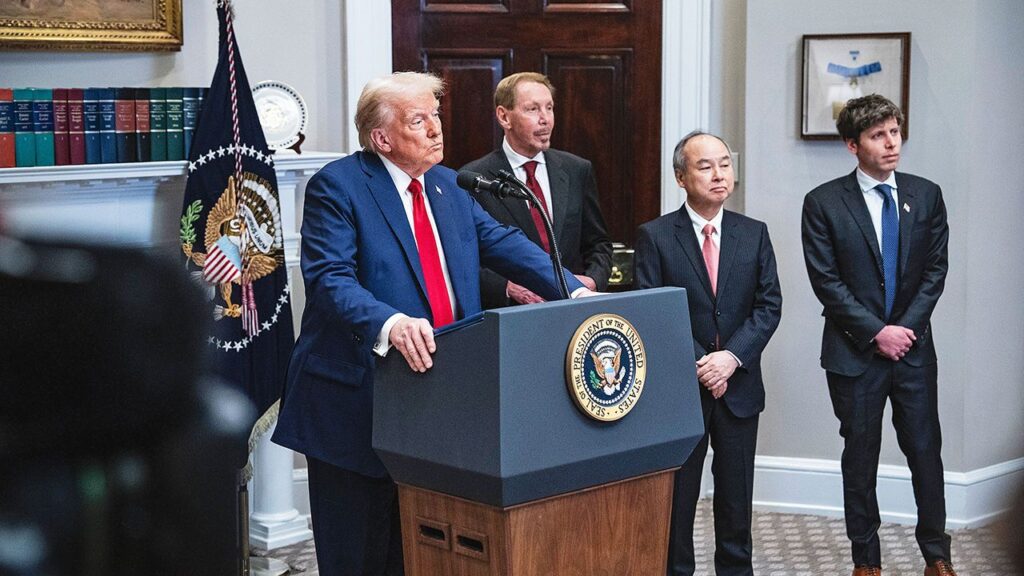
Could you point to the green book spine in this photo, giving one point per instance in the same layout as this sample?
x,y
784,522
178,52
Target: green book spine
x,y
42,125
175,124
24,131
158,124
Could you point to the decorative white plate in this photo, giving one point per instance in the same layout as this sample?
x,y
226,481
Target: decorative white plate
x,y
282,113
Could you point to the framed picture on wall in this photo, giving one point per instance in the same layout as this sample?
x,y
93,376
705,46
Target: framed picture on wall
x,y
123,25
838,67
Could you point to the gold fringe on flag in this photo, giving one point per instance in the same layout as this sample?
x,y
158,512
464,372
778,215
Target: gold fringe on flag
x,y
262,426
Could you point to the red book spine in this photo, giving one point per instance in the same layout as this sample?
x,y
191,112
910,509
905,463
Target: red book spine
x,y
61,150
76,126
7,159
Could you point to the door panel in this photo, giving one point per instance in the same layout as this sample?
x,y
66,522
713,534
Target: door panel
x,y
603,57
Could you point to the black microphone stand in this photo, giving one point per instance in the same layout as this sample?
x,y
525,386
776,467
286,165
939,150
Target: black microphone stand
x,y
556,257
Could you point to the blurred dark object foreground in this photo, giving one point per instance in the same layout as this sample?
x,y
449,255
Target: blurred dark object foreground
x,y
117,456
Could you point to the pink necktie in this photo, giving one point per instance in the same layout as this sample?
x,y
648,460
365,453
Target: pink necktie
x,y
534,186
430,260
710,256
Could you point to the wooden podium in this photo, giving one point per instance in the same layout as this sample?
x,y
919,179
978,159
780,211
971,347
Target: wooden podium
x,y
500,473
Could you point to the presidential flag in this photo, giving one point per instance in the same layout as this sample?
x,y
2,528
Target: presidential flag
x,y
231,234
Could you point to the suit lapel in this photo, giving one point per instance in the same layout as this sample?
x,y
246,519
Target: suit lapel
x,y
382,187
688,241
727,251
558,179
854,200
905,198
518,209
444,218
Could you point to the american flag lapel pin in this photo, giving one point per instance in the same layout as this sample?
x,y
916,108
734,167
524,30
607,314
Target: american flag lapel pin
x,y
438,188
906,208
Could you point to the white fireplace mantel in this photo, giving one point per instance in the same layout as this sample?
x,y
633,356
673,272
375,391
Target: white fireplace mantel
x,y
134,205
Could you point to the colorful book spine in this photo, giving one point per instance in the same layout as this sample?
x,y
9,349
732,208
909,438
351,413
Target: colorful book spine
x,y
61,129
190,114
175,125
143,148
42,125
76,126
158,124
91,107
24,132
124,124
108,126
7,158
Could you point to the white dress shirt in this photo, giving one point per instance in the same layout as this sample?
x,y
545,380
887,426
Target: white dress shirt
x,y
698,226
517,161
874,200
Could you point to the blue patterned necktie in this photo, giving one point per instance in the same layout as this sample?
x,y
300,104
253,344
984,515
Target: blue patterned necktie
x,y
890,244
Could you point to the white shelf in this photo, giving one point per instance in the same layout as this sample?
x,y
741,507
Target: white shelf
x,y
132,204
283,160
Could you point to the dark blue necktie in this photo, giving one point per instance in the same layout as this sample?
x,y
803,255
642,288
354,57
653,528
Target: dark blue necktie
x,y
890,244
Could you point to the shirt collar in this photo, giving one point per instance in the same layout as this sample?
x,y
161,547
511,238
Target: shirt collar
x,y
515,158
699,222
867,183
398,176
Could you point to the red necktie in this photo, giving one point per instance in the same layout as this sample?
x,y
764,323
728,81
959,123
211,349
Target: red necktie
x,y
710,256
538,219
430,261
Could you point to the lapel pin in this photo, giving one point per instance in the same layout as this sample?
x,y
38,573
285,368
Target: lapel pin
x,y
438,189
906,207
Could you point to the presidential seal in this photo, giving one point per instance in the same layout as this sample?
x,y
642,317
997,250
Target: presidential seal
x,y
605,367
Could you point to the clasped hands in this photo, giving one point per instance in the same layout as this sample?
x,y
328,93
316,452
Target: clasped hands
x,y
893,342
714,371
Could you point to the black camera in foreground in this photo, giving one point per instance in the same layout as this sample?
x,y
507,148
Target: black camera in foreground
x,y
118,455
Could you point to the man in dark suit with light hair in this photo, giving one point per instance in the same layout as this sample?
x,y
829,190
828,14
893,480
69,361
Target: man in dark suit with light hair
x,y
391,249
726,263
875,245
525,109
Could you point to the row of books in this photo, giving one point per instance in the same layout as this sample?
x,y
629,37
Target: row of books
x,y
47,127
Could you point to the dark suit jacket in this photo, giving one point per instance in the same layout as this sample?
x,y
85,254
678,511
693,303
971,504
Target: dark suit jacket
x,y
360,266
747,309
578,225
844,263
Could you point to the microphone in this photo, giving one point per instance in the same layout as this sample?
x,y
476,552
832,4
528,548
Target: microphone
x,y
475,182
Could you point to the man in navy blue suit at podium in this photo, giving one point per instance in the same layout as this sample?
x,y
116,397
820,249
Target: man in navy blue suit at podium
x,y
391,249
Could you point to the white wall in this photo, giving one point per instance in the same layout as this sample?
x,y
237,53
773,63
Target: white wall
x,y
298,43
965,134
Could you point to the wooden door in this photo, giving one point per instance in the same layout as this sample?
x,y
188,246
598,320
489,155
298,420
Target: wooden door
x,y
603,57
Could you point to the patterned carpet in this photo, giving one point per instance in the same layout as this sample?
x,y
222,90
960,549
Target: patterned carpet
x,y
801,545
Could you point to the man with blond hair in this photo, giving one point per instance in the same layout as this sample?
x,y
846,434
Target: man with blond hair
x,y
565,183
391,249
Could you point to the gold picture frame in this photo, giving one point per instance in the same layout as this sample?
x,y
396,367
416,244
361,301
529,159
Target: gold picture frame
x,y
91,25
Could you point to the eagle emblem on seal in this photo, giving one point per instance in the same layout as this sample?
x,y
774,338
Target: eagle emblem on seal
x,y
243,239
607,356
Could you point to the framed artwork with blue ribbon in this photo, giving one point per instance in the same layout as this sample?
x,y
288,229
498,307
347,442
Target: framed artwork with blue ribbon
x,y
838,67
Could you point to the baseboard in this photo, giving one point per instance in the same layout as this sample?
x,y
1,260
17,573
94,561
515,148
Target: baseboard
x,y
810,486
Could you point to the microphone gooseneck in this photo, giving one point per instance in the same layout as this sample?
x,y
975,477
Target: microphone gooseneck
x,y
508,178
475,183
